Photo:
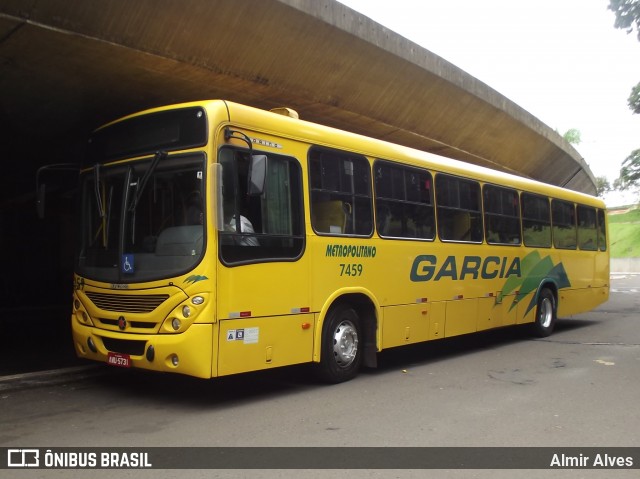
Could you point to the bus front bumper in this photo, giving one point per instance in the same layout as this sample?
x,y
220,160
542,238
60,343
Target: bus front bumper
x,y
187,353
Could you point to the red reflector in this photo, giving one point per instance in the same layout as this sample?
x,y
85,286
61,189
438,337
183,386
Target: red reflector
x,y
245,314
300,310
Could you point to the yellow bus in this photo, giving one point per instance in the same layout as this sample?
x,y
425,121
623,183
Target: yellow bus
x,y
217,239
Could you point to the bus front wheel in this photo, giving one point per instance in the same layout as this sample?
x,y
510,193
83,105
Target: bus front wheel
x,y
545,314
341,353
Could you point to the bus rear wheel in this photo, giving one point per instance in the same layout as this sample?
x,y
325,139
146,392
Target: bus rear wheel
x,y
545,314
341,353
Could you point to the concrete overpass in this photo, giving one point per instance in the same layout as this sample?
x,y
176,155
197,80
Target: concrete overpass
x,y
70,65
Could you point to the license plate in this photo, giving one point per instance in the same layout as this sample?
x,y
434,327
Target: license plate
x,y
119,360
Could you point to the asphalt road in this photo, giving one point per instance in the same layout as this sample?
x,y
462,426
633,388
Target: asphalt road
x,y
579,387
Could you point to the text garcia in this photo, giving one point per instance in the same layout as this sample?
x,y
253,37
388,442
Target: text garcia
x,y
426,268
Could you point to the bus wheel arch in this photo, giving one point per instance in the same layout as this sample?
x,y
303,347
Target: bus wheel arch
x,y
347,338
546,313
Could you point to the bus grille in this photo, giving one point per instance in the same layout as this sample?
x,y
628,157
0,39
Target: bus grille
x,y
133,324
127,303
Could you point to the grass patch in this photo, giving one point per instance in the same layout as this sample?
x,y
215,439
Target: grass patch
x,y
624,235
632,216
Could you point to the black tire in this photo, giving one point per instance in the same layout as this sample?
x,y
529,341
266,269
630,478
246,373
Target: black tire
x,y
545,314
342,345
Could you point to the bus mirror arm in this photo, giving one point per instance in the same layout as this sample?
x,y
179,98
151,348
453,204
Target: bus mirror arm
x,y
238,135
257,167
41,188
41,194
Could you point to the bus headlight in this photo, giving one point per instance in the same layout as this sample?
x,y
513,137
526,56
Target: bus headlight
x,y
184,315
80,313
176,323
197,300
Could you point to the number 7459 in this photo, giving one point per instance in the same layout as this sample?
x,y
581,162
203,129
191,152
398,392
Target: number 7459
x,y
351,269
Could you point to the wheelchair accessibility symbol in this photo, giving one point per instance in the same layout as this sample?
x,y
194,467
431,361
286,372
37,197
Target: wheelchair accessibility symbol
x,y
127,264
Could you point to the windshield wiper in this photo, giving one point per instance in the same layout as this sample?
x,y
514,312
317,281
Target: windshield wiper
x,y
160,155
96,178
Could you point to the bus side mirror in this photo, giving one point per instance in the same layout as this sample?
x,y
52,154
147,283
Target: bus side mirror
x,y
41,189
218,195
257,175
40,196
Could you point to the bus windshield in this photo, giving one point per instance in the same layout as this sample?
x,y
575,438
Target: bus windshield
x,y
135,230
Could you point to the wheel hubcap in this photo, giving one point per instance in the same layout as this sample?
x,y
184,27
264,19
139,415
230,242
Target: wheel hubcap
x,y
345,343
546,313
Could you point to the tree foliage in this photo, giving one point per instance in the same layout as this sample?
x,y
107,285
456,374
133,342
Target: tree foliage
x,y
602,185
630,171
628,17
627,14
634,99
573,136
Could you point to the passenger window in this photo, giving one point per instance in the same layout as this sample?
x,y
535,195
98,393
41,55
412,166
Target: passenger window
x,y
501,215
563,216
587,228
602,231
536,221
340,193
404,202
458,206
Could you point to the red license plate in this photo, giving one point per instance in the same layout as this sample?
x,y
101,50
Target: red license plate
x,y
119,360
